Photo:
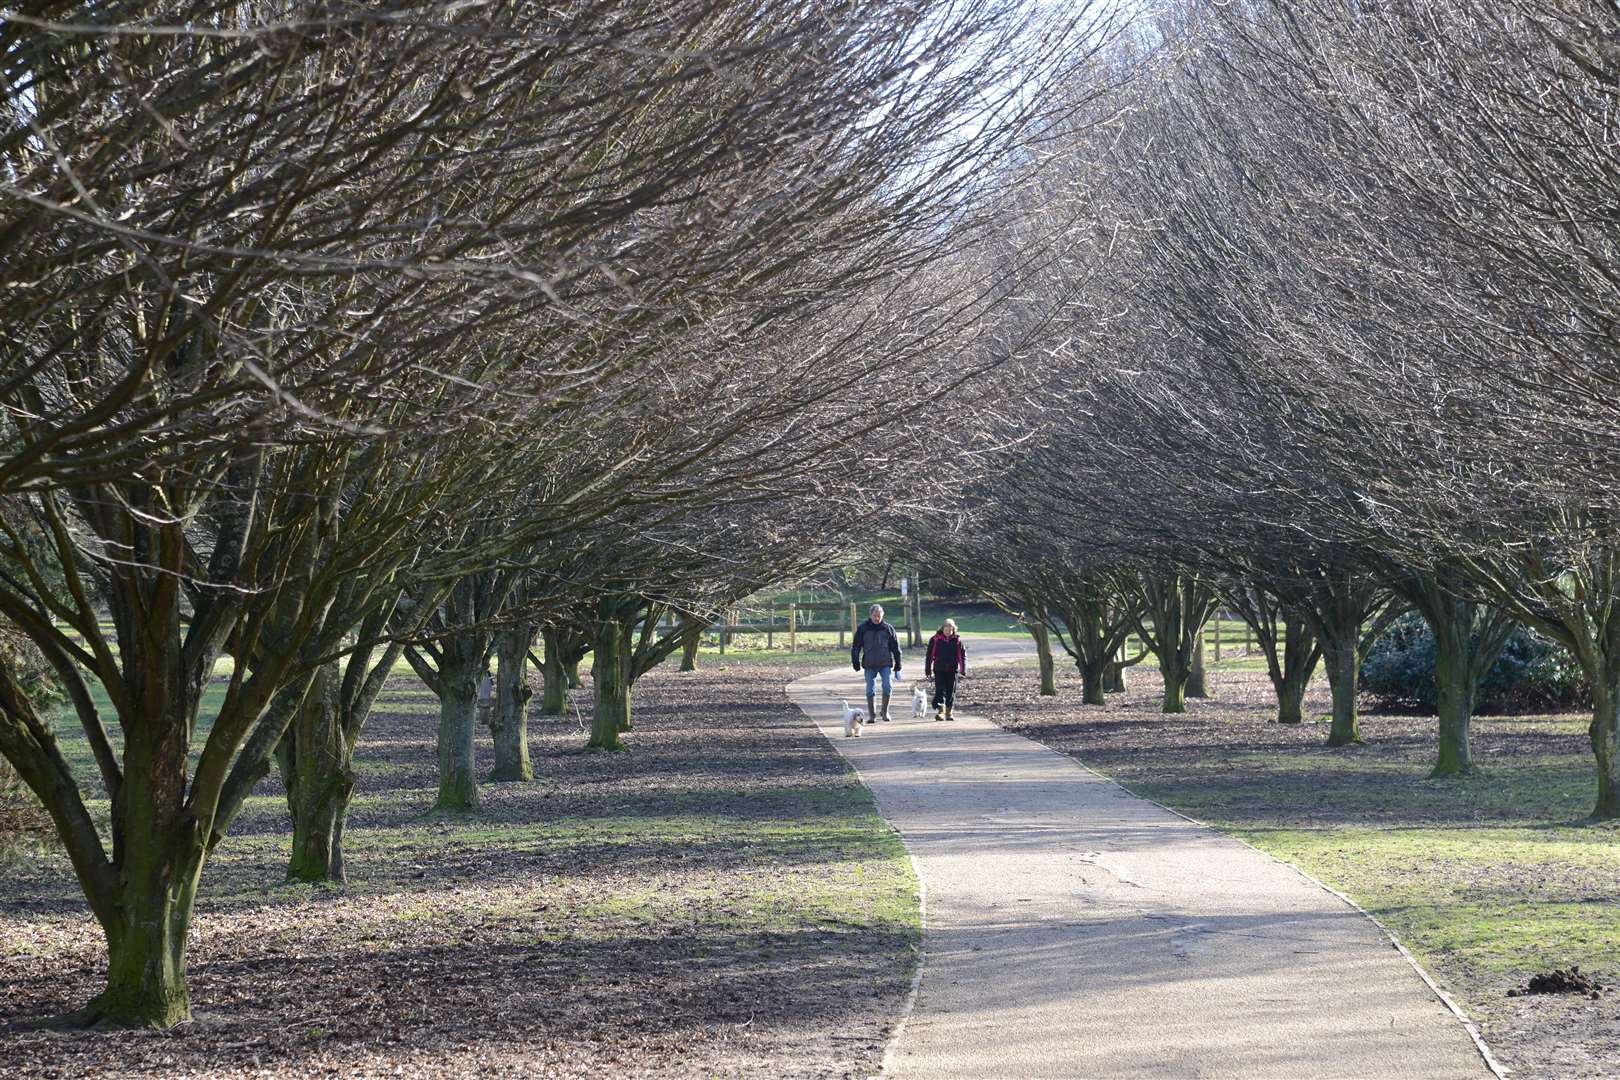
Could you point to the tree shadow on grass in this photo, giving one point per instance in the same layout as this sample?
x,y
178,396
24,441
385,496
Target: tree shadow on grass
x,y
480,994
594,922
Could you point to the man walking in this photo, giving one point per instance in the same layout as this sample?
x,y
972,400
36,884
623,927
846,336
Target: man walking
x,y
877,649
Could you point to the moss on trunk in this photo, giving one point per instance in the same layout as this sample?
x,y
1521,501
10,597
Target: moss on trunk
x,y
458,706
509,722
610,694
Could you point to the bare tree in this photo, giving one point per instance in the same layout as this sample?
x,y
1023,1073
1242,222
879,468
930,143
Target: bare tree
x,y
249,259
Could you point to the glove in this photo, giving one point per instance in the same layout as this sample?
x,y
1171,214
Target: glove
x,y
857,667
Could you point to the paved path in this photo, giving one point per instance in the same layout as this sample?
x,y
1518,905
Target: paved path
x,y
1076,930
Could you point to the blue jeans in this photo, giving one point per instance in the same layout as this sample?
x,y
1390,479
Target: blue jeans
x,y
873,673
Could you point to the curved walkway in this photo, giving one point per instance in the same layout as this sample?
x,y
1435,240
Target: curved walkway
x,y
1074,929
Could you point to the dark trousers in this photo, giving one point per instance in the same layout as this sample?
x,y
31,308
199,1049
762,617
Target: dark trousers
x,y
944,689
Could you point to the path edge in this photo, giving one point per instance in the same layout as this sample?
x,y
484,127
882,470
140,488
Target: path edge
x,y
909,1005
1497,1069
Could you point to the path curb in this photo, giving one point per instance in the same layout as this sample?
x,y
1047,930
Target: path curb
x,y
909,1005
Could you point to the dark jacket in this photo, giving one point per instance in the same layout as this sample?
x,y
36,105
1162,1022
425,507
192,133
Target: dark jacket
x,y
876,646
946,654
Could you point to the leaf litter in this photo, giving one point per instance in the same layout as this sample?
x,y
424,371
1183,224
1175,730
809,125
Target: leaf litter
x,y
721,900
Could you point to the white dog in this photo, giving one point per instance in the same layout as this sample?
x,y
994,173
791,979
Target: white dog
x,y
919,701
853,719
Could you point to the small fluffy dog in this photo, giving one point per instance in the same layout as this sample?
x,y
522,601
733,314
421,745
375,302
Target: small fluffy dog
x,y
919,701
853,719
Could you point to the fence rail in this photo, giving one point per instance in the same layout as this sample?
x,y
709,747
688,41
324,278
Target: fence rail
x,y
796,618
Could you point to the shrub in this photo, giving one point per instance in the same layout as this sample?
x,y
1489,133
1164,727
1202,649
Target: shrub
x,y
24,824
1533,674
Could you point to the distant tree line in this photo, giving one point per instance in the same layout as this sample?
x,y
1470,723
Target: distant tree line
x,y
1329,309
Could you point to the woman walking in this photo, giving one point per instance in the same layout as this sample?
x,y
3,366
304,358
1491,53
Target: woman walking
x,y
947,658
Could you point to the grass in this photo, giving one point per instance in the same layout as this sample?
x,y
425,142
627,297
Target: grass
x,y
1494,902
1493,873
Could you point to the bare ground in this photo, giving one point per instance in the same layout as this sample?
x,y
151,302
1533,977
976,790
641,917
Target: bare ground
x,y
1490,878
719,901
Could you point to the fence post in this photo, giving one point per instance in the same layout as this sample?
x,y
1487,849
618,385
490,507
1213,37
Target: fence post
x,y
793,628
916,606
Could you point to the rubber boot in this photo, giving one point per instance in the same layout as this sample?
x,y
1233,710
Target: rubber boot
x,y
948,715
870,715
886,715
939,712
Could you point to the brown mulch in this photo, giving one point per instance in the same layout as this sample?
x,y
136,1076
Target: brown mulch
x,y
1232,736
1560,981
660,912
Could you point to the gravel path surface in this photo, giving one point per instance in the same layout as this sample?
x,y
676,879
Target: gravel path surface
x,y
1074,929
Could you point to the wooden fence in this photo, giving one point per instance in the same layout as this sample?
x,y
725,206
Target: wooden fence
x,y
791,619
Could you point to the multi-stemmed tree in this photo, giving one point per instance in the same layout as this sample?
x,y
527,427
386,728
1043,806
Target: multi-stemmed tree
x,y
295,302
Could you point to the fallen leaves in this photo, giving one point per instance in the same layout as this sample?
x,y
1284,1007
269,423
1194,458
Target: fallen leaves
x,y
697,906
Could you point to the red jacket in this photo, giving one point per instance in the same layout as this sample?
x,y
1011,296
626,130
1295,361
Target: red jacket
x,y
944,654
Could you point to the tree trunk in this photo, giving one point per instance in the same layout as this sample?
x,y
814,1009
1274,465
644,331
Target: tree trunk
x,y
145,904
510,722
627,670
1197,685
690,643
317,844
625,706
147,911
146,941
611,696
554,675
317,769
571,669
1344,679
1290,701
1175,673
1043,650
1092,674
1114,678
1468,639
1454,683
459,670
1605,735
1290,672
